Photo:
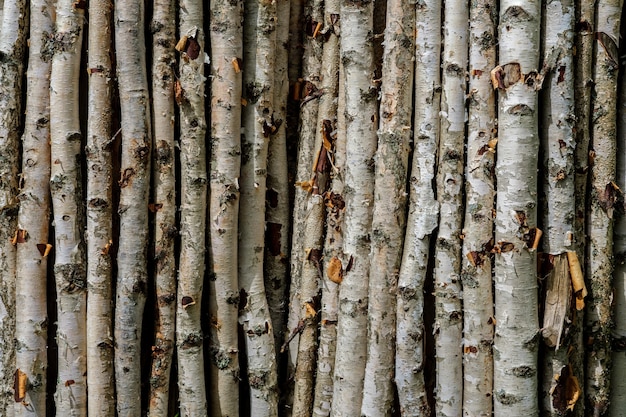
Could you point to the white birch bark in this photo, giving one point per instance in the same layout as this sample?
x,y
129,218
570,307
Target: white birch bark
x,y
516,334
12,44
332,268
389,212
598,320
100,378
132,274
308,92
67,204
618,374
476,266
278,214
558,144
189,337
226,88
422,214
259,53
34,217
360,109
163,30
448,326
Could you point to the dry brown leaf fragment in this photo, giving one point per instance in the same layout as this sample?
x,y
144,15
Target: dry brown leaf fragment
x,y
334,270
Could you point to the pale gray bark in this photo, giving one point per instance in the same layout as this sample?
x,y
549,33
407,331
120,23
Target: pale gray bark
x,y
333,262
226,88
422,214
12,44
67,203
132,274
100,378
193,189
389,212
34,217
516,334
163,29
448,326
558,184
307,92
598,320
476,264
258,124
360,109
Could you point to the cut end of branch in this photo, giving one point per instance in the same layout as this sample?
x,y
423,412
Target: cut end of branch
x,y
578,279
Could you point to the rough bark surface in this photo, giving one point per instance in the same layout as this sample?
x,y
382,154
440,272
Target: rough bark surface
x,y
332,267
558,144
163,30
448,327
360,109
599,316
67,203
12,44
132,274
193,188
389,212
422,214
226,89
516,334
258,124
34,217
476,261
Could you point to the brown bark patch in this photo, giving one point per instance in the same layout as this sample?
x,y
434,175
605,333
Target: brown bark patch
x,y
610,48
334,270
20,380
566,391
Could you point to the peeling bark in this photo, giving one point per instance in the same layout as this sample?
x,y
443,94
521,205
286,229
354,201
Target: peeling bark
x,y
163,29
422,214
67,203
599,317
226,88
193,186
516,334
100,378
357,56
34,216
132,274
477,262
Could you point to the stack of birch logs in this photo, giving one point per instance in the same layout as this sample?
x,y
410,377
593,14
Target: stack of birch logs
x,y
312,208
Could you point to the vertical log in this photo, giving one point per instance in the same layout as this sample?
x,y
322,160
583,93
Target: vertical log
x,y
357,56
132,273
163,30
226,88
34,217
100,378
516,334
67,203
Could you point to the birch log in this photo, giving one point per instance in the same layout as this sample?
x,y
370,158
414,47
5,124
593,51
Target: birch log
x,y
618,376
422,214
332,267
34,216
476,266
448,327
163,30
389,212
100,378
12,44
193,188
226,88
67,204
132,274
599,317
357,56
258,77
516,333
559,213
